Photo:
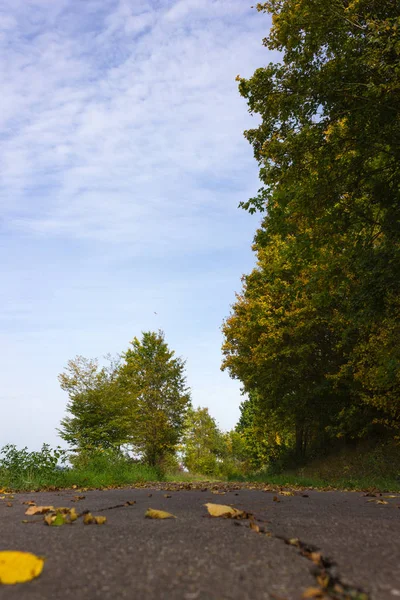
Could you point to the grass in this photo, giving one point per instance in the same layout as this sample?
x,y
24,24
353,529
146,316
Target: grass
x,y
25,471
290,479
365,466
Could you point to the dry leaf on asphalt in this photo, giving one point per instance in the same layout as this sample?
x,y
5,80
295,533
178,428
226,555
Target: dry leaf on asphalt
x,y
313,592
275,499
39,510
88,519
77,498
221,510
29,502
55,520
158,514
283,493
100,520
254,527
18,567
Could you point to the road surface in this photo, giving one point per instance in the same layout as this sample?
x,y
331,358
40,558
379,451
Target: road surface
x,y
344,544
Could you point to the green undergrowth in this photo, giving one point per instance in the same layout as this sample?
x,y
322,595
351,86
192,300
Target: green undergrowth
x,y
21,470
365,466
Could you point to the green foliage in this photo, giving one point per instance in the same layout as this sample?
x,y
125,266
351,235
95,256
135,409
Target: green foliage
x,y
100,417
314,334
26,467
24,470
154,381
203,443
140,401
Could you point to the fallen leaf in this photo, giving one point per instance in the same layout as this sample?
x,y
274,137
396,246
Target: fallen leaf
x,y
218,493
220,510
382,502
254,527
18,567
158,514
9,504
77,498
283,493
275,499
294,542
88,519
29,502
149,495
313,592
130,502
72,515
315,557
390,496
167,496
100,520
39,510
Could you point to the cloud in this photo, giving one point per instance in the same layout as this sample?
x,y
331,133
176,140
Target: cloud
x,y
108,132
122,162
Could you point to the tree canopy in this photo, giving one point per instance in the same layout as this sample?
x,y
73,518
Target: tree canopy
x,y
314,333
140,400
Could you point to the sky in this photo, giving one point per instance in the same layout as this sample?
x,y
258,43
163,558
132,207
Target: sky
x,y
122,164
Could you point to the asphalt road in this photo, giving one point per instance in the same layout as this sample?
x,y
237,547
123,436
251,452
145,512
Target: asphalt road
x,y
344,538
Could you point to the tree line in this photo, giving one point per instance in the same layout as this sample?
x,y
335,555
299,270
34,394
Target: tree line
x,y
314,335
140,405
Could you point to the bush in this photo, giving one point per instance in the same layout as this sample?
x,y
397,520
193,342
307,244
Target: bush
x,y
21,468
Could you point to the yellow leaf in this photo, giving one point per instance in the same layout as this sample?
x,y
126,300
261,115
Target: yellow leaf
x,y
72,515
221,510
18,567
254,527
49,519
286,493
88,519
313,592
100,520
39,510
158,514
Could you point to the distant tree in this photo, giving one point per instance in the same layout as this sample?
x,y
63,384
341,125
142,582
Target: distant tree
x,y
99,416
153,381
203,443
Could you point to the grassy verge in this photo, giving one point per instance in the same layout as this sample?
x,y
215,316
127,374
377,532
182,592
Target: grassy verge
x,y
383,484
366,466
26,471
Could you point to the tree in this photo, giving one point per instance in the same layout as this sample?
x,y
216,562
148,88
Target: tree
x,y
154,383
100,417
203,443
313,333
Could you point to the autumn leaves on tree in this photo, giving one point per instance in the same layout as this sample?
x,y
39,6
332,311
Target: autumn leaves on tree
x,y
314,334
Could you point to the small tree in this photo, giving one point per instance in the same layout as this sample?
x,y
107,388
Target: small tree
x,y
203,443
99,414
153,381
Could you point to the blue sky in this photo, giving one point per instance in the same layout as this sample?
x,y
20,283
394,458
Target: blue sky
x,y
122,163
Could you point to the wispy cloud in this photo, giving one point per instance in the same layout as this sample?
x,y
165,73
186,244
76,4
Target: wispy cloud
x,y
122,162
128,123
